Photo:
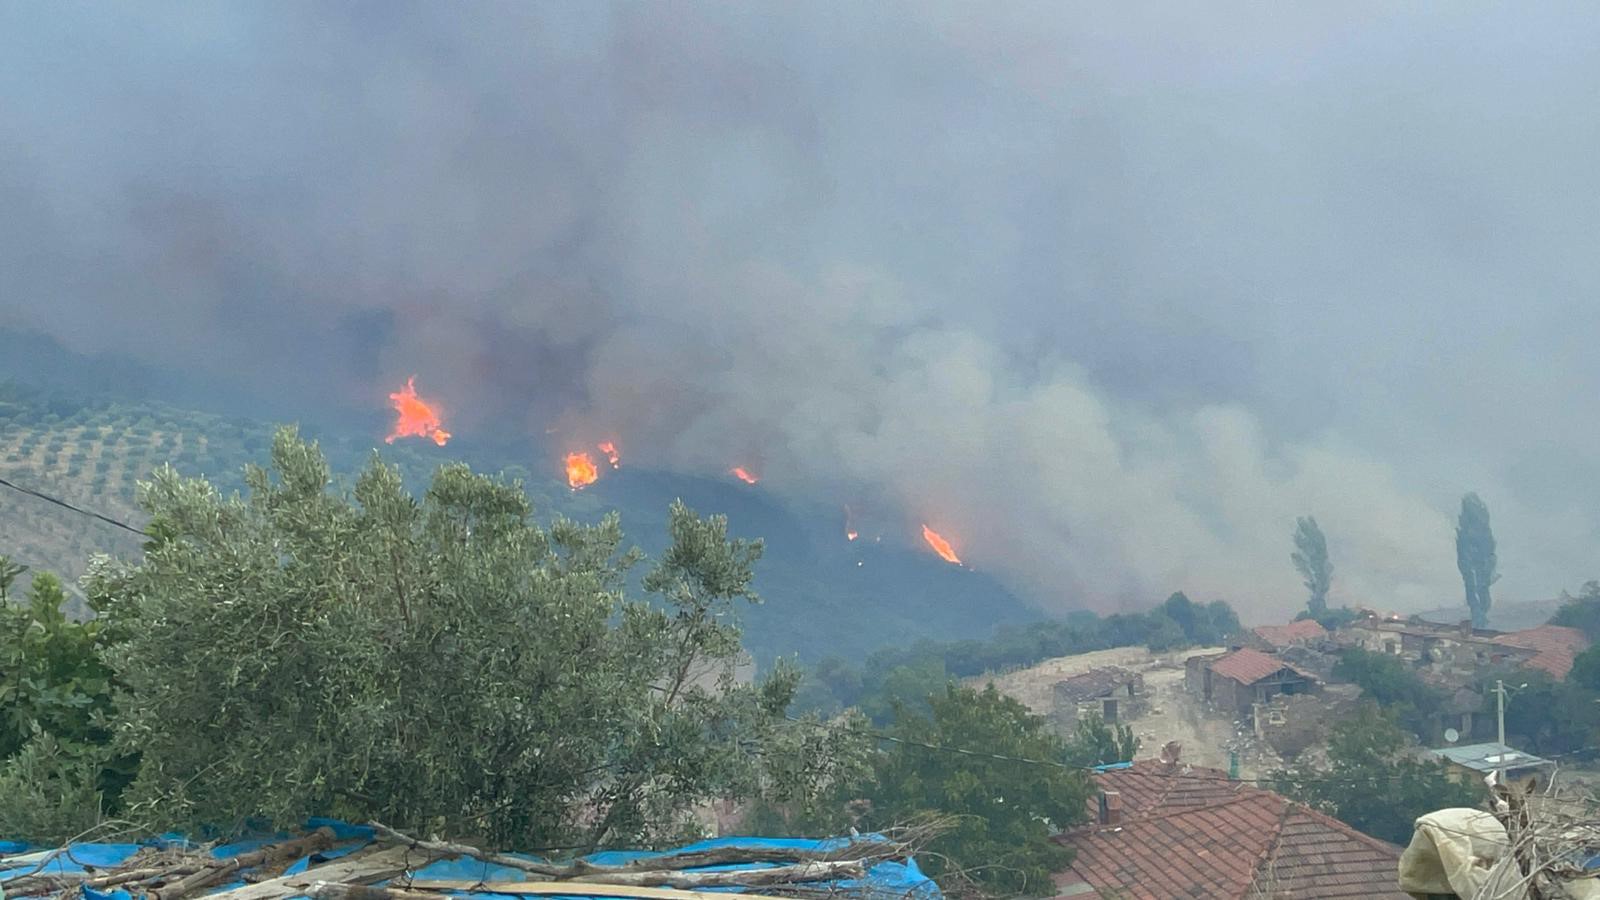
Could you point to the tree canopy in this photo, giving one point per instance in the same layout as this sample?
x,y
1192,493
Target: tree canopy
x,y
1475,557
440,662
1310,558
1371,782
1007,808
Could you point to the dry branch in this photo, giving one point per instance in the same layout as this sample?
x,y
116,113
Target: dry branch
x,y
590,873
216,873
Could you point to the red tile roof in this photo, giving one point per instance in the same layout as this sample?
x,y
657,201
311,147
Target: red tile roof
x,y
1249,666
1286,635
1191,832
1554,646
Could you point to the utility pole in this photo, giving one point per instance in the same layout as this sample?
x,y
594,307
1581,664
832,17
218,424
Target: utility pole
x,y
1500,720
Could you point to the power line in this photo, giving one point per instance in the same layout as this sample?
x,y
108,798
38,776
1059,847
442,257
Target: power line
x,y
68,506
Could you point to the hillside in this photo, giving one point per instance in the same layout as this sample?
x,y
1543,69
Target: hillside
x,y
822,595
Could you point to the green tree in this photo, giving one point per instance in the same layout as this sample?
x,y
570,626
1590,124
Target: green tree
x,y
1393,685
1006,809
1475,557
1372,782
1581,612
1096,743
57,768
440,662
1310,558
10,569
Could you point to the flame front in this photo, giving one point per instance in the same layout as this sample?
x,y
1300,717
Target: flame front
x,y
581,471
744,475
940,545
415,417
609,448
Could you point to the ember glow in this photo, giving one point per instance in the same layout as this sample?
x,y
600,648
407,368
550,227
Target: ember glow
x,y
940,545
609,448
415,417
581,471
744,475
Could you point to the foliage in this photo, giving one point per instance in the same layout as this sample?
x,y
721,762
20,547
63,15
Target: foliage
x,y
441,663
50,793
1372,783
1392,684
1475,557
1331,619
10,569
1546,716
1007,809
54,692
1096,743
1310,558
1581,612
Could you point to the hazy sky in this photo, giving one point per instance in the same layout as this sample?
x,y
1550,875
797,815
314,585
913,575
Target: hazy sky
x,y
1107,292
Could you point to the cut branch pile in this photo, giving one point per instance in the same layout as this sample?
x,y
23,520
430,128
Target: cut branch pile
x,y
394,858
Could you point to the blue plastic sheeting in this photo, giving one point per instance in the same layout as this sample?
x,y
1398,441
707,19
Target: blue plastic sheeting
x,y
903,880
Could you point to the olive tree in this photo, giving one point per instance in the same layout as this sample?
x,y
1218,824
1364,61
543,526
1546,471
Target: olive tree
x,y
441,662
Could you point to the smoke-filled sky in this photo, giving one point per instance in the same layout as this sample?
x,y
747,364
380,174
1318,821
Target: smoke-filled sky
x,y
1108,293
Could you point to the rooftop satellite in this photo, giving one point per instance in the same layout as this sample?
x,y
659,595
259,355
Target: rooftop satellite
x,y
1451,735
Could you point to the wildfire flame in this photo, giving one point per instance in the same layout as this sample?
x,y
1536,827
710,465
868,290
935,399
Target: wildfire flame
x,y
940,545
415,417
581,471
609,448
744,475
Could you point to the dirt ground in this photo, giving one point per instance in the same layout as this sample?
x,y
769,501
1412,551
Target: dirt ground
x,y
1172,715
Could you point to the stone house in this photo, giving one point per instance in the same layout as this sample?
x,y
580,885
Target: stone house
x,y
1117,694
1240,680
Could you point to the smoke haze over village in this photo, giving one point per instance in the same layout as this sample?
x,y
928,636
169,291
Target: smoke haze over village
x,y
1106,297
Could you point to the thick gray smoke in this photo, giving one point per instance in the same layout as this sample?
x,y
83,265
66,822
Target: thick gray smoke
x,y
1108,295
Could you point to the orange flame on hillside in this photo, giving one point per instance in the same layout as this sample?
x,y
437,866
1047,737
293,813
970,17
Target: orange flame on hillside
x,y
940,545
744,475
416,417
581,471
609,448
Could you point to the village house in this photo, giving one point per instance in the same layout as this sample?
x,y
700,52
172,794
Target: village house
x,y
1472,762
1276,638
1241,680
1161,829
1458,652
1115,693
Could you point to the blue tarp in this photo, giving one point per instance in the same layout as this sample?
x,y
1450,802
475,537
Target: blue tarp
x,y
902,879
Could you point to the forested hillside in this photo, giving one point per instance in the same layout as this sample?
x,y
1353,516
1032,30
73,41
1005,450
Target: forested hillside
x,y
821,594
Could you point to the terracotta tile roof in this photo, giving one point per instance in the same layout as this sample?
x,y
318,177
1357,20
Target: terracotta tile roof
x,y
1249,666
1284,635
1554,646
1193,833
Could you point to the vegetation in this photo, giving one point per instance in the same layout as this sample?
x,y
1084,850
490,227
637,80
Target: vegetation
x,y
1475,557
1581,612
1007,809
1394,685
1095,743
1310,558
279,652
57,769
1372,782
